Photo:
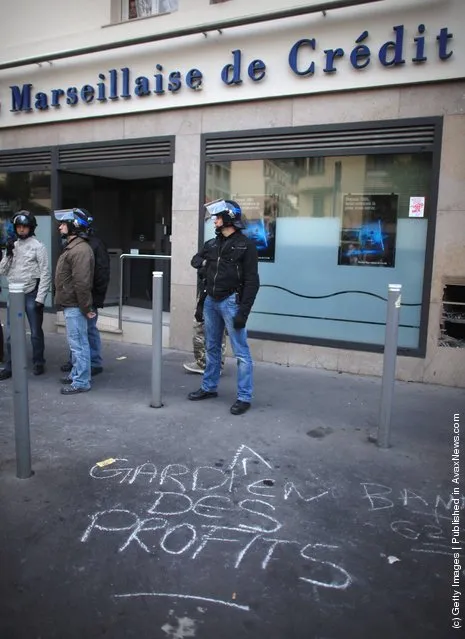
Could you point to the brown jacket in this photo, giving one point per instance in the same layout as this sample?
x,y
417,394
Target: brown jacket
x,y
74,275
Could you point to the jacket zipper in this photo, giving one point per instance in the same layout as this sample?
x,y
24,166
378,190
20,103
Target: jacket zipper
x,y
217,267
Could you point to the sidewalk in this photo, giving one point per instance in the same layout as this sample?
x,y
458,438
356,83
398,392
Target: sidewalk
x,y
282,523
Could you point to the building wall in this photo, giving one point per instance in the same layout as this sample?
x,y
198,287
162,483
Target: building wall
x,y
38,93
66,24
441,365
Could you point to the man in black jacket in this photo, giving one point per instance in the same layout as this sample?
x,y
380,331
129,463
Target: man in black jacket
x,y
231,265
99,290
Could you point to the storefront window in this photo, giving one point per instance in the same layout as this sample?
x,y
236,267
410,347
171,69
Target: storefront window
x,y
332,233
29,191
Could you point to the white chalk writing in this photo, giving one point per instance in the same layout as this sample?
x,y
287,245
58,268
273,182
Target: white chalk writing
x,y
423,518
194,511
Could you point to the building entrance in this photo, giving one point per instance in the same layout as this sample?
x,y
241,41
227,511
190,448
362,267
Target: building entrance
x,y
131,215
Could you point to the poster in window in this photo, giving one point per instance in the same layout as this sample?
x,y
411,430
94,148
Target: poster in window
x,y
369,229
259,213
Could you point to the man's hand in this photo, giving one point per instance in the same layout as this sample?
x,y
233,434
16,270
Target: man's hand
x,y
9,247
91,314
39,306
239,321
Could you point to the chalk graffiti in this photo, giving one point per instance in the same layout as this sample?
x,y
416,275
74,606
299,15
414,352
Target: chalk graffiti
x,y
430,537
170,595
191,513
193,509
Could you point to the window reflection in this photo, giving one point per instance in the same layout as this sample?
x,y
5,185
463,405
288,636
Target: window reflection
x,y
314,187
331,232
30,191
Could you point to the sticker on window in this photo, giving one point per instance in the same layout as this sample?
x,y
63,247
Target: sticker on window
x,y
416,207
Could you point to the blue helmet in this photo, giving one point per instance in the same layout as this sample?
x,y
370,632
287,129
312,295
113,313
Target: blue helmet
x,y
77,220
234,213
229,210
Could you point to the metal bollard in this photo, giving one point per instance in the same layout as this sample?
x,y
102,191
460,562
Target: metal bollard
x,y
20,385
157,337
389,364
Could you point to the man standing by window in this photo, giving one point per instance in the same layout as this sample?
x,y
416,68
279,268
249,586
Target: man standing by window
x,y
231,266
74,277
26,262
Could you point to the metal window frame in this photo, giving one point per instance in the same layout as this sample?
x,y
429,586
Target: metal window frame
x,y
24,153
434,148
54,154
169,159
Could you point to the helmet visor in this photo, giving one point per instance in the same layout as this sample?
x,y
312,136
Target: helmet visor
x,y
76,216
21,219
64,215
214,208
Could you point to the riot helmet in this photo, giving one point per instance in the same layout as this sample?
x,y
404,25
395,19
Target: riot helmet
x,y
77,221
229,211
24,218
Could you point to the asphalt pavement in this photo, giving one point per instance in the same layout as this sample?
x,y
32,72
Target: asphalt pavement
x,y
283,523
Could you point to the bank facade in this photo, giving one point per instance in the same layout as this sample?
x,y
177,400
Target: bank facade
x,y
340,129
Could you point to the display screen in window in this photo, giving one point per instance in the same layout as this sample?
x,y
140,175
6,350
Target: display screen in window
x,y
144,8
259,214
369,229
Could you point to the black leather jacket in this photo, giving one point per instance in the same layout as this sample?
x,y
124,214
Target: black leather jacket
x,y
231,266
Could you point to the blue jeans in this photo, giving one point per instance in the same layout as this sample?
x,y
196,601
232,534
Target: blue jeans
x,y
78,342
217,315
95,343
35,317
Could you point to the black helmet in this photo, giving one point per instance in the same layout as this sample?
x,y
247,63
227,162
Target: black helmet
x,y
26,219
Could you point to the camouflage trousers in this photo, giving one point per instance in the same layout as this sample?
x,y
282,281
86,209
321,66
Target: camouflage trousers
x,y
199,345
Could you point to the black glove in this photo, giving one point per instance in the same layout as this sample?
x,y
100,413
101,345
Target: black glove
x,y
39,306
239,321
9,247
202,273
199,308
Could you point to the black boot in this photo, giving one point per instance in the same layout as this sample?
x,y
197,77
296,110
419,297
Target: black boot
x,y
201,394
239,407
